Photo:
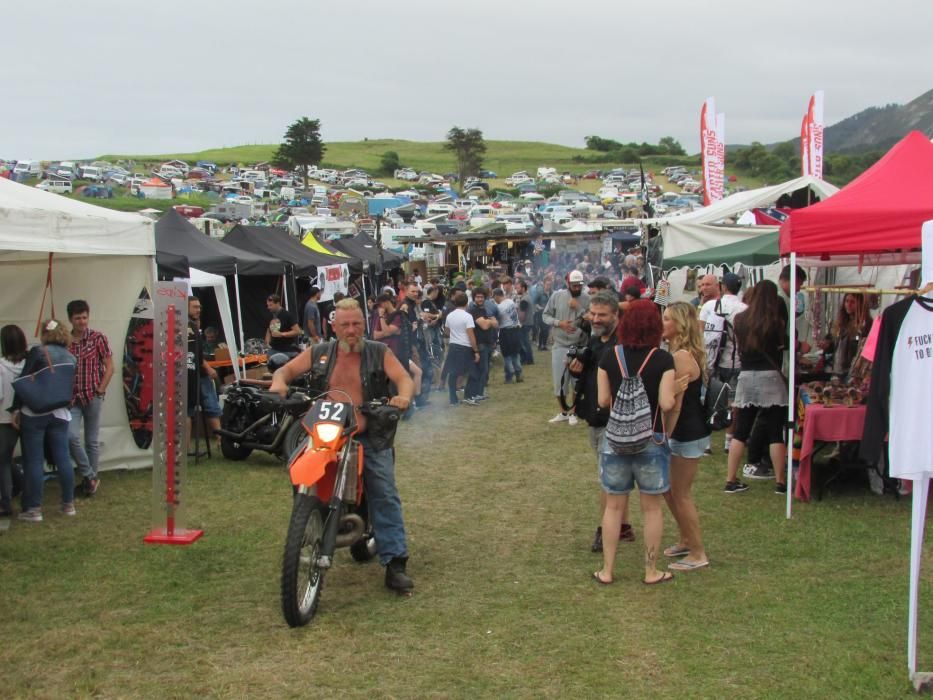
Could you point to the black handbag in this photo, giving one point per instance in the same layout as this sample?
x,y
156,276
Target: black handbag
x,y
48,388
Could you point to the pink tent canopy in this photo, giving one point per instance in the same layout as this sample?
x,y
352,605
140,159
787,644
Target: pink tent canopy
x,y
875,218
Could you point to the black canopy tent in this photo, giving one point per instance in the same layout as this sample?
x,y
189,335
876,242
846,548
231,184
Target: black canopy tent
x,y
363,247
278,243
178,239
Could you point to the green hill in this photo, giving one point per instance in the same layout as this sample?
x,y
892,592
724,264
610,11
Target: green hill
x,y
504,157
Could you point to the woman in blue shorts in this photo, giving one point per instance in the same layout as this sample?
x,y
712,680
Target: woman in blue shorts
x,y
639,336
689,433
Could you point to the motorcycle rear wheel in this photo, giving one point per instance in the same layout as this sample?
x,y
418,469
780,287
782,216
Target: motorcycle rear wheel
x,y
294,438
234,450
302,580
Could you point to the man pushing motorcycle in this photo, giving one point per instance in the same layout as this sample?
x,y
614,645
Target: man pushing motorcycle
x,y
363,369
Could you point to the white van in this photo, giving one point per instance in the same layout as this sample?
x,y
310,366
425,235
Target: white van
x,y
27,168
89,172
56,186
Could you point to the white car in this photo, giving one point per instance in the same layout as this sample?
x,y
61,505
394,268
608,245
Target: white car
x,y
517,179
56,186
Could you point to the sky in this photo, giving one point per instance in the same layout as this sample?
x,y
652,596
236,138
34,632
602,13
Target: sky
x,y
80,79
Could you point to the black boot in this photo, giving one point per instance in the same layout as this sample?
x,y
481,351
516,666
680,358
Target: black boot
x,y
396,578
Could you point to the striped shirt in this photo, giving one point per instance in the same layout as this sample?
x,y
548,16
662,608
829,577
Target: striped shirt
x,y
90,351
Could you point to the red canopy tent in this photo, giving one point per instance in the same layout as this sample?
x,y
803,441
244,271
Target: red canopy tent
x,y
875,219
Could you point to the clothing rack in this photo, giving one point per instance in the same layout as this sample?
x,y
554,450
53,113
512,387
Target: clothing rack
x,y
839,289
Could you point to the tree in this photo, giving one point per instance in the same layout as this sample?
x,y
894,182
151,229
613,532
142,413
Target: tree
x,y
302,146
671,146
469,148
598,143
390,162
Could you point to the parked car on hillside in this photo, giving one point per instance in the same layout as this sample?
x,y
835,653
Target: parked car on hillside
x,y
56,185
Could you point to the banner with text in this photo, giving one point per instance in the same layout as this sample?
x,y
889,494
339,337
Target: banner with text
x,y
815,128
713,151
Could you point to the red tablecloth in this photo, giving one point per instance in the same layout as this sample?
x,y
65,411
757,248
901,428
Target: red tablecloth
x,y
822,424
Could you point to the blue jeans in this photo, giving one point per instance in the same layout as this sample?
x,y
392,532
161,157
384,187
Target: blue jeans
x,y
528,356
9,436
479,375
34,430
513,366
385,506
86,456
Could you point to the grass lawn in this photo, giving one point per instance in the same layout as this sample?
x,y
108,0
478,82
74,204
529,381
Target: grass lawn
x,y
500,509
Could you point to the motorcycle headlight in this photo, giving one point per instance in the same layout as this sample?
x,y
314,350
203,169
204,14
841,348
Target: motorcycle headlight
x,y
327,432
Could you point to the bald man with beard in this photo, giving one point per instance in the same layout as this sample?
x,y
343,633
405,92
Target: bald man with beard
x,y
707,290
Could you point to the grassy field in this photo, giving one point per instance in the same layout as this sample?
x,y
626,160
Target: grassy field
x,y
500,509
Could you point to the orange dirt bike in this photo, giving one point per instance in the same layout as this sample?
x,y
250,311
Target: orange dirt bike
x,y
329,509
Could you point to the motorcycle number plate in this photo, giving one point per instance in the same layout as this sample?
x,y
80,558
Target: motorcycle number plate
x,y
328,411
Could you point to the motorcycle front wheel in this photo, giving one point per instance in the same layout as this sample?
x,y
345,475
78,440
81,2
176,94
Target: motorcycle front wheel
x,y
302,580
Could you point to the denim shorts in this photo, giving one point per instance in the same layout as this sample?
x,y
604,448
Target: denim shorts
x,y
210,404
691,449
649,468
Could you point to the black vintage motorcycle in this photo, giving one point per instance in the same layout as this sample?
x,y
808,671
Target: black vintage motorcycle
x,y
255,420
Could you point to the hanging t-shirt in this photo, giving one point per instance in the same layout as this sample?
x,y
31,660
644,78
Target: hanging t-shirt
x,y
901,382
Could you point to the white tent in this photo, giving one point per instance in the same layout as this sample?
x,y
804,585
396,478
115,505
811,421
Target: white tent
x,y
105,257
704,228
199,278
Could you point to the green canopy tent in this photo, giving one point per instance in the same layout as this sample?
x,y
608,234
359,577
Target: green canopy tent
x,y
761,250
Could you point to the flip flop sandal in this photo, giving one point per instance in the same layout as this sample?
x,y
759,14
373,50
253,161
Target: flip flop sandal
x,y
676,550
665,577
599,580
687,565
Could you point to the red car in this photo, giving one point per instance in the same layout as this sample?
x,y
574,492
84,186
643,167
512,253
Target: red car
x,y
591,175
188,211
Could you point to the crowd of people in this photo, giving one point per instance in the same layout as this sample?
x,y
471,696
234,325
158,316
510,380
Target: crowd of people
x,y
615,358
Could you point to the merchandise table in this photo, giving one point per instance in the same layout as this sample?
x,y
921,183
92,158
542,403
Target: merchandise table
x,y
825,424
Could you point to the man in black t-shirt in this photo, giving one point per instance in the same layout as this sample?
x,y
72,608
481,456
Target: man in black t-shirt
x,y
201,376
281,334
604,317
485,331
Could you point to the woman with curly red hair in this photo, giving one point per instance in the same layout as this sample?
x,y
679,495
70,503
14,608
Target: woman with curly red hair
x,y
639,336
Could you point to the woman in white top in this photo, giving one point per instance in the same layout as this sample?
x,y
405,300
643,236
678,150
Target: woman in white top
x,y
12,357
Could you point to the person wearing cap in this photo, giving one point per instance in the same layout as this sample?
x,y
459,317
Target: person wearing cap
x,y
728,305
564,313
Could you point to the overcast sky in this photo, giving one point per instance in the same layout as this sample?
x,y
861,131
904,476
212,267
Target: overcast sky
x,y
98,76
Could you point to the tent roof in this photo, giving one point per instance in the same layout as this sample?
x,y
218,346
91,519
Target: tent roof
x,y
41,222
311,241
879,213
700,229
175,236
277,243
761,250
362,247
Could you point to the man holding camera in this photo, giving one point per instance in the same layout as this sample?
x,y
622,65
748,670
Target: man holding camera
x,y
604,317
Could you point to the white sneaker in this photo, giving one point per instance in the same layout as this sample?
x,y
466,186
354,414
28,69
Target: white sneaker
x,y
572,419
559,418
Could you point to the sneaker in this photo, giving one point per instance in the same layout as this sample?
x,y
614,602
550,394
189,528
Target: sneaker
x,y
69,509
33,515
572,419
626,533
559,418
735,487
757,471
470,402
780,488
481,397
91,486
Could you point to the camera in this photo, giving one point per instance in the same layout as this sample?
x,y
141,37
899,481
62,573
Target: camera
x,y
579,352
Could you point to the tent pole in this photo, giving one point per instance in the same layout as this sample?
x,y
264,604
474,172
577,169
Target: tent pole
x,y
791,371
917,523
239,306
